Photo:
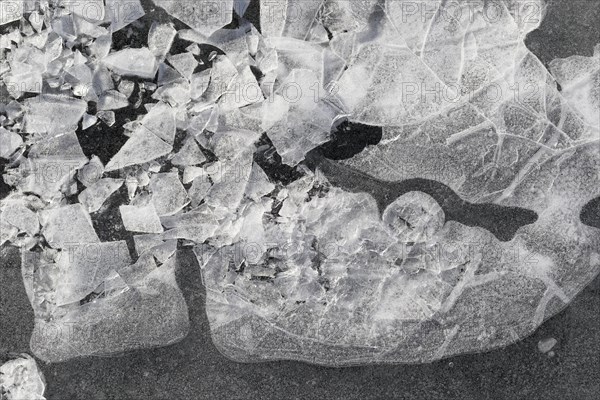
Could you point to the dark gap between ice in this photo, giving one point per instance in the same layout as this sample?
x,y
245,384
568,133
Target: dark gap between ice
x,y
590,213
503,222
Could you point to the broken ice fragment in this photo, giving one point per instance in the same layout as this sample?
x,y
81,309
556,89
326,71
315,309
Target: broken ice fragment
x,y
160,120
122,13
52,114
22,379
92,10
258,183
83,267
198,191
9,142
168,194
184,63
51,165
190,154
133,62
67,225
88,121
142,146
96,194
160,38
204,17
10,10
140,219
112,100
20,217
108,117
160,249
91,172
240,6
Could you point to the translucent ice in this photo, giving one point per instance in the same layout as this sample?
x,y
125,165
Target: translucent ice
x,y
143,146
168,194
205,17
132,62
96,194
141,219
52,114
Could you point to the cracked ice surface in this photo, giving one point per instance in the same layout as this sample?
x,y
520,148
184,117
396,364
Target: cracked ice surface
x,y
315,263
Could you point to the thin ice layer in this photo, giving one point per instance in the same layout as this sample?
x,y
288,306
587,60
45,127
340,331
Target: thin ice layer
x,y
120,315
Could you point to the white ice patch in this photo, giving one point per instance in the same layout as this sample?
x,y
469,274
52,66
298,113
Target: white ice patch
x,y
22,379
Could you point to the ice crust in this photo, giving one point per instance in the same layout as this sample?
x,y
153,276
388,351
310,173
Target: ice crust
x,y
296,268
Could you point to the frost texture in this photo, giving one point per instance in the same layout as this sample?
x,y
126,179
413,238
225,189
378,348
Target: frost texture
x,y
300,258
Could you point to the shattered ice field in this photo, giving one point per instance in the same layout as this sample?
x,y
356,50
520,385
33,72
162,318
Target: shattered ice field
x,y
328,163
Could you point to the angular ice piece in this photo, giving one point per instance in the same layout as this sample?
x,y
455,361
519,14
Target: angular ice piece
x,y
143,146
199,82
51,165
230,181
167,75
108,117
295,134
92,10
273,17
244,90
9,142
185,63
205,17
23,79
140,219
112,100
52,114
240,6
168,194
190,173
67,226
190,154
198,191
258,183
222,75
20,217
10,11
132,62
88,121
101,46
160,249
83,267
120,13
160,38
160,120
21,378
96,194
126,87
85,27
